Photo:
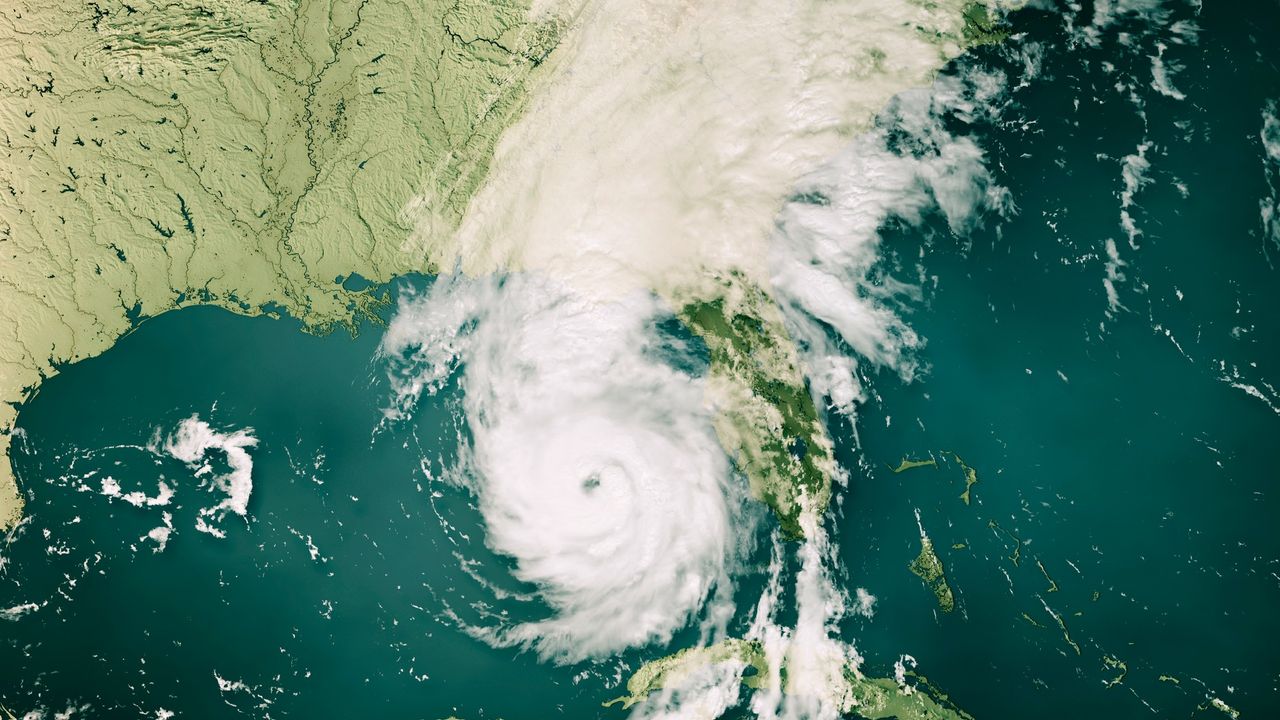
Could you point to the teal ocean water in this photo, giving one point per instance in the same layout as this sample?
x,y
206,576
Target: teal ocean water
x,y
1124,457
1117,402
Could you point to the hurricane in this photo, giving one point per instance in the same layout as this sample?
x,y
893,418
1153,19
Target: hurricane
x,y
591,454
640,359
590,442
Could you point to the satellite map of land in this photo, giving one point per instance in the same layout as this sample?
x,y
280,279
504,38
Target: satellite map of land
x,y
802,359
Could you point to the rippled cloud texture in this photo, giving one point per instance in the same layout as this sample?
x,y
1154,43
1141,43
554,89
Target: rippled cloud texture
x,y
592,454
826,244
592,457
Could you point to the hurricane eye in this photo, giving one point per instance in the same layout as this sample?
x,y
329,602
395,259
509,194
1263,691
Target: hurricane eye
x,y
591,483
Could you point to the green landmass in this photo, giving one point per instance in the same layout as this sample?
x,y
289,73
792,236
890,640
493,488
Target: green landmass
x,y
256,155
884,699
1111,662
909,464
862,697
982,26
982,23
1053,585
970,479
672,670
1062,625
1221,705
247,154
928,567
1016,556
970,474
767,419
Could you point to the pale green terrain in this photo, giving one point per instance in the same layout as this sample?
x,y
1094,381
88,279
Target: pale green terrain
x,y
256,154
248,154
771,426
860,696
929,568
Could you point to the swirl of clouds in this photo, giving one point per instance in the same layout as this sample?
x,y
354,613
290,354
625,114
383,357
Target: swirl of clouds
x,y
592,456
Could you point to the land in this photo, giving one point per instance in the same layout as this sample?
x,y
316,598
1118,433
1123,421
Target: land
x,y
282,157
970,479
860,696
928,567
254,156
983,27
771,424
909,464
672,670
885,699
260,156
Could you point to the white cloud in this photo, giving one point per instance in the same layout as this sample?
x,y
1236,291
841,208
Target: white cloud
x,y
191,443
594,462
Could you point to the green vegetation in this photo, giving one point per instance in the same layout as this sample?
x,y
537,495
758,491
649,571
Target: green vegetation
x,y
908,464
884,699
672,670
1062,625
861,697
981,26
1016,555
1221,705
164,153
929,568
970,478
970,474
980,22
1111,662
768,420
1053,585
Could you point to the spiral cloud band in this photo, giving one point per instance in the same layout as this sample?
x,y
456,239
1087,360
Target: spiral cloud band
x,y
592,456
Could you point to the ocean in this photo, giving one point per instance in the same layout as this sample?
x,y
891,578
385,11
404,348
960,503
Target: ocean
x,y
1102,354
